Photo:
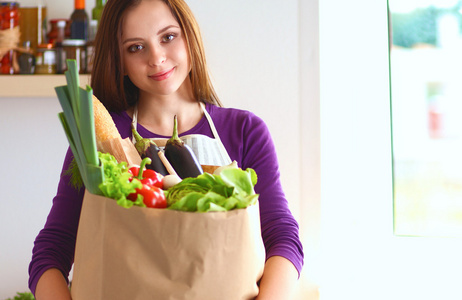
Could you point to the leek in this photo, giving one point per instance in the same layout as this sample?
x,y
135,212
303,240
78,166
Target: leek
x,y
79,126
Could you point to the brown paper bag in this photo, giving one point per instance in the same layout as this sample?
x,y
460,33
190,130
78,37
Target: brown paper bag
x,y
144,253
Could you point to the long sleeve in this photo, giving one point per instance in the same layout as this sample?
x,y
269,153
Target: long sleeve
x,y
249,142
54,245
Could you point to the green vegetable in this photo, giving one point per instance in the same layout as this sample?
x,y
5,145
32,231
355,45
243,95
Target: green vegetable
x,y
23,296
74,174
79,125
232,189
118,183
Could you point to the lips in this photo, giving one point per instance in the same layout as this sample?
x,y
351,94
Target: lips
x,y
162,75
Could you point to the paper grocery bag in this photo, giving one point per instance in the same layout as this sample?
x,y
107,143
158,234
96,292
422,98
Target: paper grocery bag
x,y
144,253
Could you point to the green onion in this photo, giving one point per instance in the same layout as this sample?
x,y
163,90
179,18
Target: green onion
x,y
79,126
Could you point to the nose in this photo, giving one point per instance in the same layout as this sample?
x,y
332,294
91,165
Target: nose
x,y
157,55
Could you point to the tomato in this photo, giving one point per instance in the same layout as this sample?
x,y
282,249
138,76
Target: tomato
x,y
152,183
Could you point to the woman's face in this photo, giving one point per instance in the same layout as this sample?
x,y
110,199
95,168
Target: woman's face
x,y
155,55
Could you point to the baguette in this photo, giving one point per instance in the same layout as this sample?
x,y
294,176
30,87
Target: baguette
x,y
105,128
108,139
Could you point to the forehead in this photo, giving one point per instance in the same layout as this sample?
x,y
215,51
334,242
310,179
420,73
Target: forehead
x,y
147,15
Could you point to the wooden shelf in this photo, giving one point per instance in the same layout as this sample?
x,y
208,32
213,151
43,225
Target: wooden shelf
x,y
34,85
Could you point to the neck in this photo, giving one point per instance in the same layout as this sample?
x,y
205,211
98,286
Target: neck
x,y
156,113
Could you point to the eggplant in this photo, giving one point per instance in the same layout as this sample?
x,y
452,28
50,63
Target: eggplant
x,y
181,156
148,148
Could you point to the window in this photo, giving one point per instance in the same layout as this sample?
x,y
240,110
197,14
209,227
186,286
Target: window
x,y
426,93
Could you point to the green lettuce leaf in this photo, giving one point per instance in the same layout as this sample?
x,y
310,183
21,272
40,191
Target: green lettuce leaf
x,y
232,189
242,181
116,184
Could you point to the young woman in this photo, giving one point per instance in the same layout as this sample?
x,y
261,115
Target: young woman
x,y
149,65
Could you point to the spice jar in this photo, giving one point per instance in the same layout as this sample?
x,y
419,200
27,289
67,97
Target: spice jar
x,y
74,49
60,30
9,36
45,59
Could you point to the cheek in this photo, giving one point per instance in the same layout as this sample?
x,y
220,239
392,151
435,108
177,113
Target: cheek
x,y
182,53
187,59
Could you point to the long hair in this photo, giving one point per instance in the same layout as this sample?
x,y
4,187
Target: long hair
x,y
109,84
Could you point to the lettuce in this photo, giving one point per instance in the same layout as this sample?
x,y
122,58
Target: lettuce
x,y
116,184
232,189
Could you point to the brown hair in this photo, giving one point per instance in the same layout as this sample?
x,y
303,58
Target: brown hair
x,y
109,84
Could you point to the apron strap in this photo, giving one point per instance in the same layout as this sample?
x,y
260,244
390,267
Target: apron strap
x,y
223,151
215,133
135,121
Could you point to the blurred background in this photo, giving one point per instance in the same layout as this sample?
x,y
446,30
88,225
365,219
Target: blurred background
x,y
362,100
427,124
252,51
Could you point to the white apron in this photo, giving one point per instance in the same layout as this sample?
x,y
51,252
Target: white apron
x,y
208,151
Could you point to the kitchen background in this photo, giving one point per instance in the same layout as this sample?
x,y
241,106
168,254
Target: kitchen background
x,y
318,72
254,66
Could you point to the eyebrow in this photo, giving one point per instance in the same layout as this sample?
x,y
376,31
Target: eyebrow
x,y
166,28
158,33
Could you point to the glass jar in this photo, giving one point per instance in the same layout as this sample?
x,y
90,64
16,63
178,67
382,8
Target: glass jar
x,y
9,35
74,49
9,15
45,59
26,60
60,30
32,22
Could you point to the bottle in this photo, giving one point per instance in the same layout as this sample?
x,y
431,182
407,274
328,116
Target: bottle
x,y
91,45
74,49
26,60
80,21
97,10
60,36
57,31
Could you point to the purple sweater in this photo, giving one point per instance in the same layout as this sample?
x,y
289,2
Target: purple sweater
x,y
247,140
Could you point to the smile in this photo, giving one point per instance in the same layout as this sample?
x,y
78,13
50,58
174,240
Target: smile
x,y
162,75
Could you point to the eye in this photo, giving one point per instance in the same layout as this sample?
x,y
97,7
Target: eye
x,y
168,37
135,48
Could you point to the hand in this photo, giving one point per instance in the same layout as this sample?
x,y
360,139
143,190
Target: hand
x,y
279,279
52,286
